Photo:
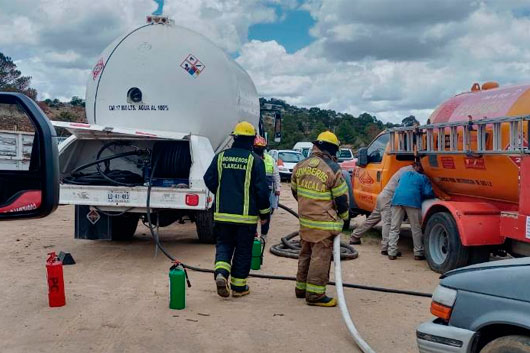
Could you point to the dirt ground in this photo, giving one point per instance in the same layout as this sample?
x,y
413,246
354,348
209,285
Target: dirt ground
x,y
117,297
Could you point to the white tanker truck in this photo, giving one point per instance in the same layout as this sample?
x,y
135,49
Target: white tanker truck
x,y
160,102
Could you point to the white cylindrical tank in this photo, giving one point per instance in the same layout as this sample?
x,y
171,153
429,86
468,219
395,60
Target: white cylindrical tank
x,y
165,77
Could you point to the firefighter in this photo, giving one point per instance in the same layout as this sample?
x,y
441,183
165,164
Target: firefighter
x,y
237,178
273,179
322,194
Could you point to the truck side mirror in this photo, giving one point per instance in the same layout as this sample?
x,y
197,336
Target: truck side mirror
x,y
29,163
362,157
277,127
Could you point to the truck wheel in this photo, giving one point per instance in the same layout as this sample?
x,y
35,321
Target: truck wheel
x,y
443,249
204,223
508,344
124,227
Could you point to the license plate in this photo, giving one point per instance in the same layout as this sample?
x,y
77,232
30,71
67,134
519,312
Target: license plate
x,y
118,197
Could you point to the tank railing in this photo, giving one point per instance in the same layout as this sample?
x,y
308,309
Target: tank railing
x,y
420,140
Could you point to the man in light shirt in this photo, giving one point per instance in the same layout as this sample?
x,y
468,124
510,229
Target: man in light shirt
x,y
382,212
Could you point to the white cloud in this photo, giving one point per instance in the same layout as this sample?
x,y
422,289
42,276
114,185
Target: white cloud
x,y
57,41
370,55
381,56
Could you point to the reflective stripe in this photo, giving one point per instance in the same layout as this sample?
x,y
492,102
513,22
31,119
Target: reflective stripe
x,y
313,288
265,211
248,176
238,282
315,195
340,190
321,225
219,174
223,265
269,164
344,215
234,218
300,285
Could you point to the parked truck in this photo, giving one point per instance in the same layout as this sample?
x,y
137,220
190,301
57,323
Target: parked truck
x,y
160,102
474,149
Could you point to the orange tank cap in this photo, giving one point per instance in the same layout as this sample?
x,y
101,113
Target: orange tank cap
x,y
489,85
475,87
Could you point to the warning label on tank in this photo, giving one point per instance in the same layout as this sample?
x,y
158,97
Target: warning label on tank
x,y
474,163
192,65
448,162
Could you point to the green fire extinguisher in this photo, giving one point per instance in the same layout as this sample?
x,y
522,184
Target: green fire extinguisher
x,y
258,247
177,286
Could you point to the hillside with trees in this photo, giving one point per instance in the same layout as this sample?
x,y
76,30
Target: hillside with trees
x,y
304,124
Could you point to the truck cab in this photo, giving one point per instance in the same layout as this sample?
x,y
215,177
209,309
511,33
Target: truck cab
x,y
374,168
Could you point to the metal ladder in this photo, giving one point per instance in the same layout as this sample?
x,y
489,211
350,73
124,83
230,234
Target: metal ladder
x,y
410,140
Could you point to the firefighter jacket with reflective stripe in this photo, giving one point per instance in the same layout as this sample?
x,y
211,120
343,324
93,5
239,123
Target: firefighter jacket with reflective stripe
x,y
318,185
237,178
273,174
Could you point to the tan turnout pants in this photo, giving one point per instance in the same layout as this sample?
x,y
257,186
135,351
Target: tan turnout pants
x,y
313,268
414,215
382,213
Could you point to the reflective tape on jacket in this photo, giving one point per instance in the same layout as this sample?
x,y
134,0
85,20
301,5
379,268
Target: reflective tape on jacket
x,y
222,265
265,211
248,176
234,218
313,288
269,164
344,215
340,190
315,195
219,175
238,282
321,225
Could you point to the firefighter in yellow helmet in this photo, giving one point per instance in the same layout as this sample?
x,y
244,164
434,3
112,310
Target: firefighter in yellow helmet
x,y
322,194
237,178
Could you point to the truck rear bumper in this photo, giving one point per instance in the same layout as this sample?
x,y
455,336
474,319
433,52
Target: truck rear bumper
x,y
436,338
134,197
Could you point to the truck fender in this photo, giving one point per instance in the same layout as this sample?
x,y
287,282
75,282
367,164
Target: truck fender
x,y
478,222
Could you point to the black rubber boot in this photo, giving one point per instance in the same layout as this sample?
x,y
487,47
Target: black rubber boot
x,y
222,286
325,301
241,293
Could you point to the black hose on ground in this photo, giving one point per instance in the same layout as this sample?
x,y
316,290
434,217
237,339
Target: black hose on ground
x,y
155,235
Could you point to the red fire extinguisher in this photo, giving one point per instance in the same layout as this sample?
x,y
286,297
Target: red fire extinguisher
x,y
54,268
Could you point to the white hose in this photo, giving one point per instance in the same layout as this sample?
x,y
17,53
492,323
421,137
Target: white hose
x,y
342,302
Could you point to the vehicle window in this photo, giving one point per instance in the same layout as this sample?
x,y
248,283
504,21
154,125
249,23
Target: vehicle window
x,y
306,152
346,154
290,157
377,149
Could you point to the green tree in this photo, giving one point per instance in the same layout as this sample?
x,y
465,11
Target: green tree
x,y
77,102
410,121
11,79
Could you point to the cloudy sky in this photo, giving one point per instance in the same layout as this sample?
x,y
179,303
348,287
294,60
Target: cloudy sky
x,y
386,57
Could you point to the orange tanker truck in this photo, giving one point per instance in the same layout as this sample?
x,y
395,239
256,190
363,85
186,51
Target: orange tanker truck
x,y
474,149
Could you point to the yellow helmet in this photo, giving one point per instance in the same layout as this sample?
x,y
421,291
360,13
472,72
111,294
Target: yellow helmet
x,y
244,128
329,137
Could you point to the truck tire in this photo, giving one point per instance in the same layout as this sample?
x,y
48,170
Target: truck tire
x,y
508,344
443,249
124,227
204,223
